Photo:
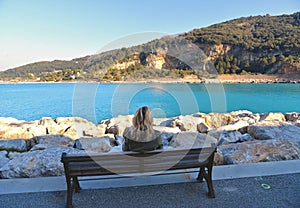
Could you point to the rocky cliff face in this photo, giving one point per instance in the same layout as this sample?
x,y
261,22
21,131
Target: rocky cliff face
x,y
148,60
127,62
232,57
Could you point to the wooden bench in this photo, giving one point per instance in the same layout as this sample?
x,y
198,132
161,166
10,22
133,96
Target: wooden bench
x,y
128,164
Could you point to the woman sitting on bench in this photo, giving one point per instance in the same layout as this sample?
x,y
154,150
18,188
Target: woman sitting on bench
x,y
141,136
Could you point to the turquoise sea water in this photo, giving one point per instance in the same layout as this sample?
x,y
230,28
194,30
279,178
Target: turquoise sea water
x,y
101,101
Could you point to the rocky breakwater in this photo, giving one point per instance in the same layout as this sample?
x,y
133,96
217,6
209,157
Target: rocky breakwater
x,y
33,149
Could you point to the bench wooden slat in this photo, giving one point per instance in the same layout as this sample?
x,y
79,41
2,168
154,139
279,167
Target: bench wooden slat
x,y
116,156
130,161
133,169
124,166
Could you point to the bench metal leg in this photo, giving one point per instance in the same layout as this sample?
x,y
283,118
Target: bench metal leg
x,y
69,193
206,172
76,184
208,178
200,175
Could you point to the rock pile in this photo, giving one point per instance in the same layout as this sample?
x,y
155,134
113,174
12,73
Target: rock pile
x,y
33,149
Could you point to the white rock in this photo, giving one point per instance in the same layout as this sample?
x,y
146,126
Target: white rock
x,y
12,155
9,120
231,127
191,139
50,141
51,126
101,128
76,127
166,133
36,163
258,151
121,122
227,137
13,145
188,123
272,117
101,144
215,120
15,131
277,130
167,122
3,158
241,113
164,129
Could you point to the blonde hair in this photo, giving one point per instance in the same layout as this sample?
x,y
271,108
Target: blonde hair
x,y
143,119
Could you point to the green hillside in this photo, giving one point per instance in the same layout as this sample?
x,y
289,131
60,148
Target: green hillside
x,y
257,44
260,44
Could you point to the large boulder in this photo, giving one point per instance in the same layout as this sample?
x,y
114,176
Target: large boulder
x,y
234,136
163,129
244,115
166,133
227,137
292,116
10,120
167,122
188,123
203,127
50,141
3,158
121,122
246,138
12,155
215,120
14,145
21,130
102,128
231,127
76,127
51,126
14,131
191,139
241,113
258,151
266,130
101,144
34,128
36,163
272,117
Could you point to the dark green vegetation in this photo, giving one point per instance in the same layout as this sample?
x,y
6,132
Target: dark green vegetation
x,y
260,44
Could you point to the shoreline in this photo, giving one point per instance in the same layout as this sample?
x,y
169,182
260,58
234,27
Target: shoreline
x,y
221,79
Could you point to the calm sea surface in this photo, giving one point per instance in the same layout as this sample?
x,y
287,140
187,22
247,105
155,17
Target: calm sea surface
x,y
96,102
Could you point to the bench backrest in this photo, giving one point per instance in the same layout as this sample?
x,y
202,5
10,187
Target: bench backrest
x,y
135,162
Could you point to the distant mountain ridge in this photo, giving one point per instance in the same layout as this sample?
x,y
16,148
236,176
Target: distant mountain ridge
x,y
256,44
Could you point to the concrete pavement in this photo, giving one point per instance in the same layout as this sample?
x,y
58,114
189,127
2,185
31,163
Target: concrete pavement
x,y
273,184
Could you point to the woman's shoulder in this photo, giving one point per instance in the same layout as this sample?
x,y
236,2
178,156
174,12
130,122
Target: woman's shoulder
x,y
156,132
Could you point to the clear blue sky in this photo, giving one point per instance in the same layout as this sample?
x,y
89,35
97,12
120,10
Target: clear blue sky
x,y
35,30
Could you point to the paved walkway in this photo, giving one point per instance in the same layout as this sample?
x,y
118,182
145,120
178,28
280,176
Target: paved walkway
x,y
253,185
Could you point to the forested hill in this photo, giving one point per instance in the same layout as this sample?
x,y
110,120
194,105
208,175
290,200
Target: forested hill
x,y
256,44
261,44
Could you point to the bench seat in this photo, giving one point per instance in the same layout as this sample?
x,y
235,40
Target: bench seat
x,y
134,164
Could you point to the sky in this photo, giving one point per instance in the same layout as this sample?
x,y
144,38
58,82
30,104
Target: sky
x,y
45,30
